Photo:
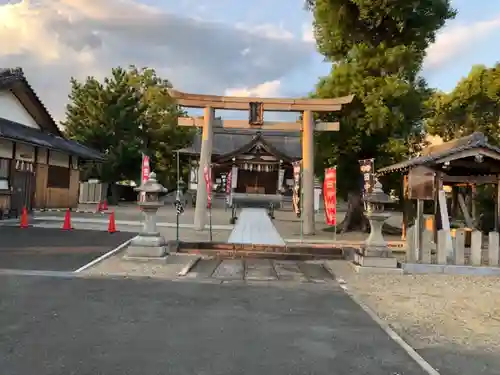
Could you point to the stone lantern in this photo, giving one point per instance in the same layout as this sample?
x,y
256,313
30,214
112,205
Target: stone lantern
x,y
149,242
375,252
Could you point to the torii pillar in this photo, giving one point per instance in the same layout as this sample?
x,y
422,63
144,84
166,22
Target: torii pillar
x,y
256,108
200,211
308,173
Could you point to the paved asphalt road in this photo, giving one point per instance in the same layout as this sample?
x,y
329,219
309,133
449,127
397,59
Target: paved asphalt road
x,y
54,249
52,326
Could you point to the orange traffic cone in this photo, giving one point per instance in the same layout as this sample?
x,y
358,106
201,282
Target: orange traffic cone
x,y
104,205
67,221
24,219
112,224
99,207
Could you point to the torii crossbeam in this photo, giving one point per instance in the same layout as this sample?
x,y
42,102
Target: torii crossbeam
x,y
256,108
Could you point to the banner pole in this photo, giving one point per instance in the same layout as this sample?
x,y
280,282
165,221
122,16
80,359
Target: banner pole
x,y
335,226
301,206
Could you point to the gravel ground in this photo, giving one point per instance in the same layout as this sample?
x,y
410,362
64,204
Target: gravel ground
x,y
453,321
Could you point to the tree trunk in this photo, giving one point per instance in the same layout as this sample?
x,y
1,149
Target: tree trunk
x,y
355,219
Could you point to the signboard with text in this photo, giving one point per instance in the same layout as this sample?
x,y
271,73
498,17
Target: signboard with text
x,y
297,171
367,167
330,195
145,171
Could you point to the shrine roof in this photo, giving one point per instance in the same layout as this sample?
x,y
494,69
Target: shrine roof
x,y
454,150
226,141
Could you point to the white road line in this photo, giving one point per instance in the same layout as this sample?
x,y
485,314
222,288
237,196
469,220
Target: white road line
x,y
128,222
393,335
105,256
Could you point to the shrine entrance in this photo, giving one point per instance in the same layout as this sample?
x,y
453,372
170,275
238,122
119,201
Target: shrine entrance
x,y
256,182
258,165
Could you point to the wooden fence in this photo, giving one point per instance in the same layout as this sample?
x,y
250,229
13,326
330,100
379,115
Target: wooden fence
x,y
465,247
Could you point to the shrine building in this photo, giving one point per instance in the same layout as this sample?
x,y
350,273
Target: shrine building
x,y
258,155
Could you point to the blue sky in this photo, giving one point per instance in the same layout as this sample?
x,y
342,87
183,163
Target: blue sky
x,y
290,15
242,48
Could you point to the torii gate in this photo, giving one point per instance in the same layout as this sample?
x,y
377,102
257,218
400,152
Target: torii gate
x,y
256,108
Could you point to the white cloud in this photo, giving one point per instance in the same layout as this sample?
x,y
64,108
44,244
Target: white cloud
x,y
266,89
56,39
455,41
308,33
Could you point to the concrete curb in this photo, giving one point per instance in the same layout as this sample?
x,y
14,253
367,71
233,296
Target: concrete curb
x,y
105,256
188,267
417,268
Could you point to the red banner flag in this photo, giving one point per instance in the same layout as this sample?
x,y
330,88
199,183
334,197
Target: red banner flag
x,y
145,172
207,173
330,195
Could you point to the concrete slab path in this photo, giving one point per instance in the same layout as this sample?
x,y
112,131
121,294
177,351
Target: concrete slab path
x,y
254,226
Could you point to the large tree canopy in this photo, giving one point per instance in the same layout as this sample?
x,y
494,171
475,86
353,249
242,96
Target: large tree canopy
x,y
376,49
129,113
474,105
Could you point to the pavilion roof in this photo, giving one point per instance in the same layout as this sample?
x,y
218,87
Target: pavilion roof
x,y
460,148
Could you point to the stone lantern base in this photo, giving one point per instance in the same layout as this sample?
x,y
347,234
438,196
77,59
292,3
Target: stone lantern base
x,y
147,246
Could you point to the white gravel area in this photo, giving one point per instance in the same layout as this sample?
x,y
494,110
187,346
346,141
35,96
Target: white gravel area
x,y
431,309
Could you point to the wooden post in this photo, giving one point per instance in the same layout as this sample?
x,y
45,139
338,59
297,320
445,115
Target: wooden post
x,y
419,227
497,206
454,200
403,204
437,214
473,208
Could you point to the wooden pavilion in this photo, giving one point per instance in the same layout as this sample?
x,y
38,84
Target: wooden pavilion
x,y
453,170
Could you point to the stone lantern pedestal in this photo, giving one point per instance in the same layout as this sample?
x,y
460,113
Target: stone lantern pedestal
x,y
149,243
375,256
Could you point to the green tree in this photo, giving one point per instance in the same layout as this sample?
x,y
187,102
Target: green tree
x,y
163,136
474,105
130,113
376,49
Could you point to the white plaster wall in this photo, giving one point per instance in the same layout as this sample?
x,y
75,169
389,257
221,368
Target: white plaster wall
x,y
41,156
6,149
59,159
25,152
12,109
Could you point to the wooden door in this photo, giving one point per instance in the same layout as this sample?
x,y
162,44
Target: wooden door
x,y
23,189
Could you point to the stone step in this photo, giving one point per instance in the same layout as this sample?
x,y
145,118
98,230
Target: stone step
x,y
289,271
230,269
204,268
259,270
315,272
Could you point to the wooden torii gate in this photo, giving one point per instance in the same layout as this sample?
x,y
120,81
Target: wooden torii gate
x,y
256,108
